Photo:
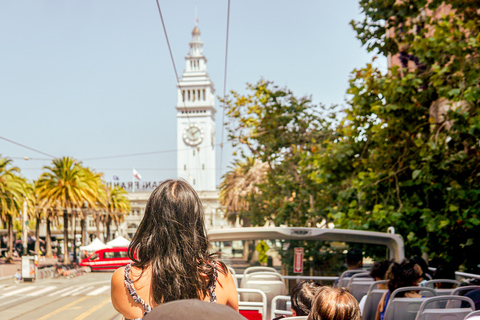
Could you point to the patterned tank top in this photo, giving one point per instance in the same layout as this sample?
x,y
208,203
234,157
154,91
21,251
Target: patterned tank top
x,y
146,308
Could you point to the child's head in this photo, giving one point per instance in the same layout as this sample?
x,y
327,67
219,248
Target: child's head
x,y
334,304
302,295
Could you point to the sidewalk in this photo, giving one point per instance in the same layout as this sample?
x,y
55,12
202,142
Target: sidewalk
x,y
9,269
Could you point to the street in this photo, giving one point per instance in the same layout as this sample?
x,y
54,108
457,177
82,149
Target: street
x,y
82,297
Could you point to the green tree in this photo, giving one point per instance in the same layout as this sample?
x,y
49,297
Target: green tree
x,y
117,205
240,184
65,187
13,190
279,130
412,134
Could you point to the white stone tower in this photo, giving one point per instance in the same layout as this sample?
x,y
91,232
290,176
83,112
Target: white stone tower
x,y
196,120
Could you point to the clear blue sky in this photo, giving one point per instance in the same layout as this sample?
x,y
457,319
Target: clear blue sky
x,y
89,78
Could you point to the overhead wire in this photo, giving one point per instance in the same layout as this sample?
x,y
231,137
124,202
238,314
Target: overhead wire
x,y
224,84
171,57
27,147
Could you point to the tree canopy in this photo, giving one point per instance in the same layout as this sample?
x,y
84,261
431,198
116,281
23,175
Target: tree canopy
x,y
405,151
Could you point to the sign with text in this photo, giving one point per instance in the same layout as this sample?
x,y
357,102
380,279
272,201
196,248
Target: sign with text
x,y
298,260
139,186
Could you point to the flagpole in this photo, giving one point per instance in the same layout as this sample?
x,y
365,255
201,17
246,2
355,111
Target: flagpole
x,y
133,180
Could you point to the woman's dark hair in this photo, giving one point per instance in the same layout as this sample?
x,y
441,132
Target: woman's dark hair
x,y
302,295
403,274
334,304
172,240
379,269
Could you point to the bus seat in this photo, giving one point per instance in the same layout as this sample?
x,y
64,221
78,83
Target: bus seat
x,y
359,284
264,275
280,307
405,308
458,291
270,283
426,312
431,283
473,315
234,275
373,298
345,277
253,310
297,318
259,269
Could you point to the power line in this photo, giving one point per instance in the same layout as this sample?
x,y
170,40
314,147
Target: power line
x,y
171,57
26,147
225,82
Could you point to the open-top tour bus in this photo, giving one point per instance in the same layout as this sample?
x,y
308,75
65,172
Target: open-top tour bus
x,y
267,261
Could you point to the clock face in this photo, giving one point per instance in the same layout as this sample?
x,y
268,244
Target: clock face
x,y
193,135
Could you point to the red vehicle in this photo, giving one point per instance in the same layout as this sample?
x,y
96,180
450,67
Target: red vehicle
x,y
106,259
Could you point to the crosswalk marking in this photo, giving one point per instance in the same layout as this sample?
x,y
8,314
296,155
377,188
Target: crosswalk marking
x,y
52,291
82,291
56,293
98,291
42,291
11,293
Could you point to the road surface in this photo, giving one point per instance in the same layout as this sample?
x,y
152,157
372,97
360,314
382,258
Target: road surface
x,y
83,297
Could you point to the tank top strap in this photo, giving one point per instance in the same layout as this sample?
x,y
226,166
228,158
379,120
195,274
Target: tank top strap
x,y
131,290
213,285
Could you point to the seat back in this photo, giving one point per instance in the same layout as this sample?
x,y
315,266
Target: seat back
x,y
345,277
270,283
458,291
429,309
373,298
431,283
359,288
279,307
264,275
473,314
405,308
234,276
259,269
257,304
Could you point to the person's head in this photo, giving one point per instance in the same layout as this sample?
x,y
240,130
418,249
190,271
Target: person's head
x,y
171,239
354,259
378,271
334,304
302,295
405,274
444,273
423,264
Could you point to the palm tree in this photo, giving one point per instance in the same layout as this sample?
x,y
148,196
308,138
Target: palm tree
x,y
65,187
117,205
98,187
12,192
238,185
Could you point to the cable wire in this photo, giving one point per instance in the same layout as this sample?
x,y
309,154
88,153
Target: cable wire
x,y
26,147
171,57
225,83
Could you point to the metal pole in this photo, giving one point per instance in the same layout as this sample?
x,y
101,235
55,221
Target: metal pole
x,y
75,238
24,226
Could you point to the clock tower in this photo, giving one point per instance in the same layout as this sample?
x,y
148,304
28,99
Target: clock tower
x,y
196,120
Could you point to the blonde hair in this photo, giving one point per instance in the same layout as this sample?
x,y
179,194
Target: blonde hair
x,y
334,304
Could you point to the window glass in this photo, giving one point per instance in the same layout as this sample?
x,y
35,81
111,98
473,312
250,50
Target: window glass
x,y
109,255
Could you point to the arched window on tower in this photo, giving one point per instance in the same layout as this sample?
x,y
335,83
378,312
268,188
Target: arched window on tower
x,y
188,95
203,94
198,94
183,95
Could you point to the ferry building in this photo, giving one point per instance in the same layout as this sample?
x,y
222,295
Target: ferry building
x,y
195,144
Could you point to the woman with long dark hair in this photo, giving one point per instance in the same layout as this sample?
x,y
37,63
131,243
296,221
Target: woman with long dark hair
x,y
171,259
